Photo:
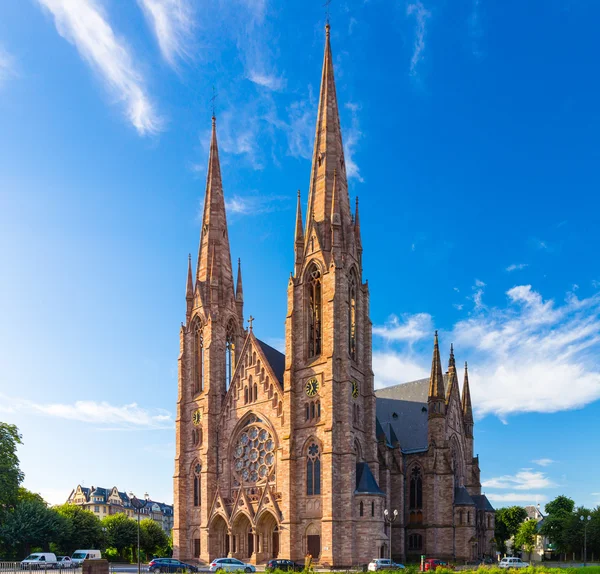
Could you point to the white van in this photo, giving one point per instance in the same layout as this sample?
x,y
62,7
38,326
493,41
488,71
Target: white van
x,y
80,555
39,561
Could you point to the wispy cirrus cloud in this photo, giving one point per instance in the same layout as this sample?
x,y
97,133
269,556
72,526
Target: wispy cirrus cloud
x,y
84,25
517,267
421,15
106,415
352,137
517,497
256,204
266,80
532,355
172,22
543,461
525,479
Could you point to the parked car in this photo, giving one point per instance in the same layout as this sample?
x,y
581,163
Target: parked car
x,y
383,564
434,563
80,555
230,565
285,565
64,562
169,565
512,562
39,561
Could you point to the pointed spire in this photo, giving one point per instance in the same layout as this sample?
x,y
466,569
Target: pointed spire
x,y
357,218
189,291
436,381
452,362
239,292
467,408
214,257
452,376
328,155
299,232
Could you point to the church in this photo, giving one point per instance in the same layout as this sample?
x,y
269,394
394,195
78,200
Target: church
x,y
281,455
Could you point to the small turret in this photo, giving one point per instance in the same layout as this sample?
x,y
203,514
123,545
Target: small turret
x,y
189,291
239,294
299,239
467,408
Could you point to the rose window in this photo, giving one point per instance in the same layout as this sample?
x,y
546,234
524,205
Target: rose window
x,y
253,454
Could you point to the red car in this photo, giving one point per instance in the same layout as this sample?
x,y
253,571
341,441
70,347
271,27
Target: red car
x,y
434,564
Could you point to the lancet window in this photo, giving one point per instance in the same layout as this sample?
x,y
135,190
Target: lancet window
x,y
314,312
198,364
352,316
313,470
229,353
197,495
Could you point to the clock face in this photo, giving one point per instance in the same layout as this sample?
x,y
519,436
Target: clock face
x,y
354,389
197,417
312,387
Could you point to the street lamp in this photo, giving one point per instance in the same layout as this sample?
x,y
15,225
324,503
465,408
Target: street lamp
x,y
138,505
390,519
585,525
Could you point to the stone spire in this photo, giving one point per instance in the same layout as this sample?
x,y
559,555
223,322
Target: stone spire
x,y
214,259
452,376
437,395
299,239
335,217
239,294
189,290
467,408
328,156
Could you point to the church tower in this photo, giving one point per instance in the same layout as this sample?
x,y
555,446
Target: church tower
x,y
328,371
208,342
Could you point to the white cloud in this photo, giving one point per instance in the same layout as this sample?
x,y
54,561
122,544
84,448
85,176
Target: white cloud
x,y
532,355
107,416
478,295
524,497
525,479
517,267
352,137
83,24
173,23
421,15
409,328
391,368
256,204
458,306
7,65
270,81
543,461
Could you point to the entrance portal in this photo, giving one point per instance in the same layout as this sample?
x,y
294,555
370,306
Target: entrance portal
x,y
313,544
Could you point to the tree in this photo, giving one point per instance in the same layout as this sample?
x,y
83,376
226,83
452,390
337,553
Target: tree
x,y
31,524
525,537
153,539
508,521
10,473
560,524
83,529
561,503
121,532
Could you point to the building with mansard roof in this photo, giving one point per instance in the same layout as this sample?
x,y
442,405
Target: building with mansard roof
x,y
288,454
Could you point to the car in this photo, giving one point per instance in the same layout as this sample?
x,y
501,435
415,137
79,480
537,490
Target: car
x,y
39,561
435,563
512,562
63,562
285,565
80,555
170,565
383,564
230,565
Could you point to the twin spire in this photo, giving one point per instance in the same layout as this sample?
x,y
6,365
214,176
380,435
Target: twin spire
x,y
438,396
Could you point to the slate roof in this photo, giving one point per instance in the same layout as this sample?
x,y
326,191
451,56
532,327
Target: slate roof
x,y
402,410
462,497
276,359
365,481
482,502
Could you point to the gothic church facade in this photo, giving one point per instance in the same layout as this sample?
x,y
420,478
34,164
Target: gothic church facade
x,y
284,455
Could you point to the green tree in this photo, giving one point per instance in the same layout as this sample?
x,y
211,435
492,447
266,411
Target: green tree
x,y
561,503
153,539
84,529
121,532
508,521
31,524
525,537
10,473
560,524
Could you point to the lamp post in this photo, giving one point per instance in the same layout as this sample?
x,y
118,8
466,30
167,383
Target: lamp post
x,y
138,505
390,519
585,525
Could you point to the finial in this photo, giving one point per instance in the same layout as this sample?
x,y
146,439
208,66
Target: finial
x,y
466,365
357,201
239,261
214,97
250,321
436,335
326,5
298,194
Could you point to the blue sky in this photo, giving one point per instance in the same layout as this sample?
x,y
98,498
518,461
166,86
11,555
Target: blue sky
x,y
471,134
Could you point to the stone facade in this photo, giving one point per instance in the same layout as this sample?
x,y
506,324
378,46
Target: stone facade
x,y
284,455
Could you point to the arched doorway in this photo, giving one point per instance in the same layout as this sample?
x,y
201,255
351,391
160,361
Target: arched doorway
x,y
268,536
243,538
313,541
218,538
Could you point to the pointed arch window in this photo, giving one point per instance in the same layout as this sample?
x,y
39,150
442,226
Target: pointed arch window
x,y
229,353
313,470
352,316
314,312
198,370
197,495
416,489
